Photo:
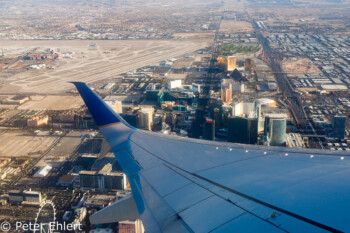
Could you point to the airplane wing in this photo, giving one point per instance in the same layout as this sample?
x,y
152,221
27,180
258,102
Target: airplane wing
x,y
187,185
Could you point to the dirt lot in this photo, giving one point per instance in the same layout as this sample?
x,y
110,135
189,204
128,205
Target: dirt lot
x,y
16,144
231,26
195,35
303,65
52,103
63,150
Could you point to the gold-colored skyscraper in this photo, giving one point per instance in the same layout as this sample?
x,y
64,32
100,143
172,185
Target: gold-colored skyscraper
x,y
222,62
231,63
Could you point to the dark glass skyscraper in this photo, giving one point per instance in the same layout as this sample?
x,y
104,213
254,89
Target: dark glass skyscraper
x,y
209,130
242,130
339,125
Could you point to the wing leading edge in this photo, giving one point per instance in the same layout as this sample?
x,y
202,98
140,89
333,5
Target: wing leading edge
x,y
186,185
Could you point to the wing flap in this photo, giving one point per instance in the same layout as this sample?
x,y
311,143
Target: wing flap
x,y
248,223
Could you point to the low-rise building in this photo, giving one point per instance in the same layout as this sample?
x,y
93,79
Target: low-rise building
x,y
66,180
18,100
105,179
38,121
43,171
99,201
294,140
19,196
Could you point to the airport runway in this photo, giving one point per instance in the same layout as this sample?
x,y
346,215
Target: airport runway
x,y
107,59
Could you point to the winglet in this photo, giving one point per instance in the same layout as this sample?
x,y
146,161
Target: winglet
x,y
100,111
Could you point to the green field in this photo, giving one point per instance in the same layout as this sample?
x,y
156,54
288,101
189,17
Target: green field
x,y
229,49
